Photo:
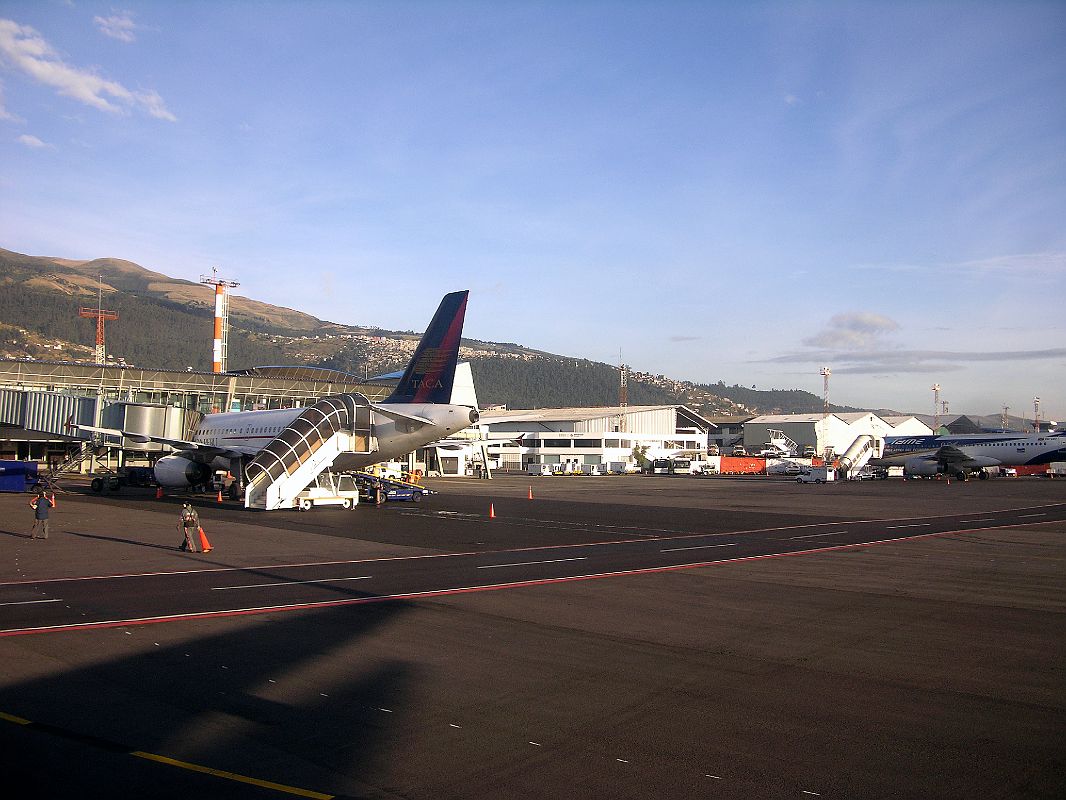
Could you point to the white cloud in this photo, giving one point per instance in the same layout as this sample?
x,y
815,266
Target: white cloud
x,y
25,49
792,100
117,26
853,331
32,141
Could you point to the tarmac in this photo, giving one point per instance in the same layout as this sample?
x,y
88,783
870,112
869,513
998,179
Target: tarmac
x,y
616,637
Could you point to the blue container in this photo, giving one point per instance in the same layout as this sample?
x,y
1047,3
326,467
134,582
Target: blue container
x,y
17,476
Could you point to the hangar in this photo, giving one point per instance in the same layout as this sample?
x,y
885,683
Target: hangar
x,y
829,433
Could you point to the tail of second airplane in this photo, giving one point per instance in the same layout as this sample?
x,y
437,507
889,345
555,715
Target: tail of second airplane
x,y
431,372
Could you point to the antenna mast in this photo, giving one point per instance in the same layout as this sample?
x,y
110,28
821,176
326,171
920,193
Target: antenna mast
x,y
1036,415
1003,419
936,408
623,394
220,345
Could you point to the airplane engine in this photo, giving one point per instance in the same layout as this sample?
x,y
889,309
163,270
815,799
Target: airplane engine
x,y
176,472
920,467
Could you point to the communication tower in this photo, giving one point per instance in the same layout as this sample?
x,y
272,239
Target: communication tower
x,y
1036,415
623,396
220,344
1003,418
936,408
825,372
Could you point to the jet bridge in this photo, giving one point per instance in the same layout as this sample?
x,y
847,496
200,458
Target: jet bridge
x,y
306,448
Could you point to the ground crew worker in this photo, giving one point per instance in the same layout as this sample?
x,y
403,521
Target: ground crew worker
x,y
41,505
189,525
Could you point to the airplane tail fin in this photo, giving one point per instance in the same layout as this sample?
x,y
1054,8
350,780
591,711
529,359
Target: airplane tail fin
x,y
429,376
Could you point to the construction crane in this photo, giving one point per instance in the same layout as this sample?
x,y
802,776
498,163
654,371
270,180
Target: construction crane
x,y
100,315
220,343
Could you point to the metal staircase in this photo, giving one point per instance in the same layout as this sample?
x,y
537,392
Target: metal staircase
x,y
857,455
782,443
306,448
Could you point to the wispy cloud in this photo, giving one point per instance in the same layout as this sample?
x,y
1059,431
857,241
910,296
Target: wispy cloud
x,y
32,141
118,26
894,362
685,338
23,48
854,330
1027,264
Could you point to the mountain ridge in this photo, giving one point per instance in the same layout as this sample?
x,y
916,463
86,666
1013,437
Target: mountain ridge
x,y
38,319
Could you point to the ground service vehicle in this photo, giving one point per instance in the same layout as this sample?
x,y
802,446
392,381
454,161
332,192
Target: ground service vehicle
x,y
817,475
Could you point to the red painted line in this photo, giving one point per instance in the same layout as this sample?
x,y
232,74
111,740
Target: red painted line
x,y
85,626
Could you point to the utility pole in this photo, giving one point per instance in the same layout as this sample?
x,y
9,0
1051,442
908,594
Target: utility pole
x,y
99,315
220,345
825,372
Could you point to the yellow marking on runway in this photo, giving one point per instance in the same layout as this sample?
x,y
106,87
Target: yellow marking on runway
x,y
173,762
233,776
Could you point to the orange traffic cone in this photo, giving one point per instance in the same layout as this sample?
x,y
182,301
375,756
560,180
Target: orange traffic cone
x,y
492,512
530,492
220,495
159,493
205,545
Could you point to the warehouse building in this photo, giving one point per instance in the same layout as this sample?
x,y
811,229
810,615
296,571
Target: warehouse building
x,y
828,433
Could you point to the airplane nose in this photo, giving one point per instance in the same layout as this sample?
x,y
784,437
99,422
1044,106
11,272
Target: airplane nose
x,y
474,416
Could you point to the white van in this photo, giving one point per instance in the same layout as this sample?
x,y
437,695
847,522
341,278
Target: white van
x,y
817,475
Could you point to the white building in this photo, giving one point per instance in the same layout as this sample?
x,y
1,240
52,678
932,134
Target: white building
x,y
829,432
571,438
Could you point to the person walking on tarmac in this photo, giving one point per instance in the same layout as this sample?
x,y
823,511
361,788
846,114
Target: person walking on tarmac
x,y
189,525
41,505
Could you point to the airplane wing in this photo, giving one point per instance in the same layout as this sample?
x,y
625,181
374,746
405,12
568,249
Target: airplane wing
x,y
177,444
951,456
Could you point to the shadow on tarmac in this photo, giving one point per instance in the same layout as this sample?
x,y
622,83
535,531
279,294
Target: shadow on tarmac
x,y
287,700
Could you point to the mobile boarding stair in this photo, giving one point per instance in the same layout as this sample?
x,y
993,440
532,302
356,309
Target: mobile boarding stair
x,y
782,443
305,449
857,455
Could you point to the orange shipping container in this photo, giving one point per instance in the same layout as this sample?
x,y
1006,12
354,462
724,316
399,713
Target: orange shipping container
x,y
739,465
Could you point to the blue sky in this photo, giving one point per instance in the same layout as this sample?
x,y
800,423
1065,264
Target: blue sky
x,y
719,191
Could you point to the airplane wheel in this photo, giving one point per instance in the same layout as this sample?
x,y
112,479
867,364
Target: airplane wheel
x,y
982,475
960,475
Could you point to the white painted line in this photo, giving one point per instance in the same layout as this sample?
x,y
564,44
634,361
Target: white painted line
x,y
536,744
621,761
817,535
915,525
986,519
815,794
292,583
1023,516
30,602
455,726
528,563
716,777
697,547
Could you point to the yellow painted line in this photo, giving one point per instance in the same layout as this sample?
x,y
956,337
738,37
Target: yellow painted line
x,y
173,762
233,776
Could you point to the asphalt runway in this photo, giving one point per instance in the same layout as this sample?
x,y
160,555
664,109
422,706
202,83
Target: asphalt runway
x,y
615,637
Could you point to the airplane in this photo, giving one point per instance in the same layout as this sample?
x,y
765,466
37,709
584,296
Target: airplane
x,y
418,411
963,454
